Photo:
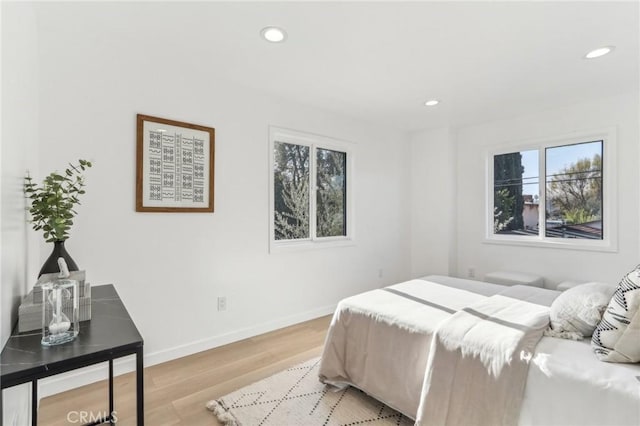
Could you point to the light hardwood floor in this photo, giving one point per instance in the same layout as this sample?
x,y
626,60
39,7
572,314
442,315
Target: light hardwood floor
x,y
176,391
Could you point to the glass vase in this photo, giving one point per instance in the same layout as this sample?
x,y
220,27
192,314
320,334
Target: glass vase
x,y
60,312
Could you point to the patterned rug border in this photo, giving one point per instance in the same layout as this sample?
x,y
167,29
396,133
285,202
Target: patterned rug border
x,y
222,413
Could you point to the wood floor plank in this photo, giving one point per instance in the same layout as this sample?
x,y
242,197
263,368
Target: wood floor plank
x,y
197,400
177,391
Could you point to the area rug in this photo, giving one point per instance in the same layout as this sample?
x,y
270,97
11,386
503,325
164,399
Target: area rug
x,y
295,397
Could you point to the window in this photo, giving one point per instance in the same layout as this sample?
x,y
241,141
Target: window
x,y
569,207
310,179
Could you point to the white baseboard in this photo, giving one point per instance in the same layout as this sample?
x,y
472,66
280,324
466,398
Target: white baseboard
x,y
87,375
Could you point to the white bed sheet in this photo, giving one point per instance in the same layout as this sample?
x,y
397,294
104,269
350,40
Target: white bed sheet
x,y
566,384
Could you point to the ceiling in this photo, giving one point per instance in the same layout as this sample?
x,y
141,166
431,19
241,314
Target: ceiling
x,y
379,61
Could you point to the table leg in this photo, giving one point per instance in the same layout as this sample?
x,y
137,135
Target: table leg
x,y
110,392
34,402
140,387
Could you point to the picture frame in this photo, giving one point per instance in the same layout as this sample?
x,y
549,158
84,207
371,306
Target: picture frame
x,y
174,166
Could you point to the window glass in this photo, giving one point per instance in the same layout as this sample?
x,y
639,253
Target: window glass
x,y
516,193
574,191
291,191
331,195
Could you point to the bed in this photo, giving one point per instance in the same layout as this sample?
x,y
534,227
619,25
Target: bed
x,y
380,341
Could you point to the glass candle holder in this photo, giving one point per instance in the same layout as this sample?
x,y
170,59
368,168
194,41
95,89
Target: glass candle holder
x,y
60,312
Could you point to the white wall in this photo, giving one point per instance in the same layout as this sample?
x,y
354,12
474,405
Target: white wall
x,y
19,251
554,264
170,268
433,202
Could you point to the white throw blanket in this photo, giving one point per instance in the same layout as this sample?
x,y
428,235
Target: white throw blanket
x,y
369,334
478,363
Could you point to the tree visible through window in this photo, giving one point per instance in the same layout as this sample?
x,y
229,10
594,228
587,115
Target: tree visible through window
x,y
296,170
331,193
291,190
572,194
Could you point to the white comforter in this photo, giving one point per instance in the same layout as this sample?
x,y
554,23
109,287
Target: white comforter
x,y
377,342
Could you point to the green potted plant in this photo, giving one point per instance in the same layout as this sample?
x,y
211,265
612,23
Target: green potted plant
x,y
52,210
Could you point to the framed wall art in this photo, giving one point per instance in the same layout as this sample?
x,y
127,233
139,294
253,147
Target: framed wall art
x,y
174,166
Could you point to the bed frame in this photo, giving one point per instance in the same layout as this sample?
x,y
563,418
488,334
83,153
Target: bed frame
x,y
373,348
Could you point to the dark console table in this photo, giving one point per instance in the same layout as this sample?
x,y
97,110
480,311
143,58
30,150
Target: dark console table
x,y
110,334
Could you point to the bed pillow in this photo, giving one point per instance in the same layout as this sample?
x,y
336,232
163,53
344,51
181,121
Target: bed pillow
x,y
617,337
576,312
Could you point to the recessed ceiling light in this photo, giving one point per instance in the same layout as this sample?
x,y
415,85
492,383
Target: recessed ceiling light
x,y
273,34
601,51
432,102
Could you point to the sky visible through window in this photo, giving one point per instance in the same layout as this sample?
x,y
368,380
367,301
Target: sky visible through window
x,y
557,159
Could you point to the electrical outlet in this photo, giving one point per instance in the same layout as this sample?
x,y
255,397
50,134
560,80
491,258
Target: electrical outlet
x,y
222,303
471,272
380,273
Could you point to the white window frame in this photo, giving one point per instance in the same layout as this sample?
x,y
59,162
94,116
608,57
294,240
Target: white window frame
x,y
609,243
313,141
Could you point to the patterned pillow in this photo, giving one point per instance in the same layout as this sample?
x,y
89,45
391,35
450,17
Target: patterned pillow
x,y
617,337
